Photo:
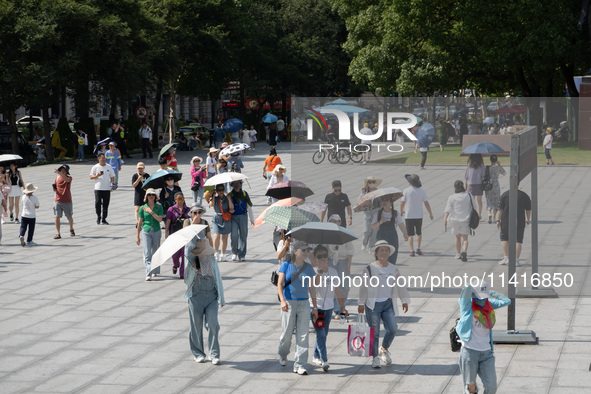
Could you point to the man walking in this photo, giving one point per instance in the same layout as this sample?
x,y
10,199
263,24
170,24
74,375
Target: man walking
x,y
146,135
103,175
239,234
336,203
413,198
63,199
523,217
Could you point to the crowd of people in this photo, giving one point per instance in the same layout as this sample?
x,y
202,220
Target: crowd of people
x,y
300,301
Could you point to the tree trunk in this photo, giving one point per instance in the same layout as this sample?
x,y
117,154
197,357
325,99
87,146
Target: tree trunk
x,y
172,116
82,99
113,112
47,133
13,132
156,119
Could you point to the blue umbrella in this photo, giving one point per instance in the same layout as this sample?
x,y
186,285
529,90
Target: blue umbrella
x,y
488,120
339,101
270,118
425,135
483,148
157,180
232,125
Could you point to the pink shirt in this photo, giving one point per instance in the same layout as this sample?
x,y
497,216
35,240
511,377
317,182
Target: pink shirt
x,y
196,174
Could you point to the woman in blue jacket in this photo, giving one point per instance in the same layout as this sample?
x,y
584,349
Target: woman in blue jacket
x,y
477,307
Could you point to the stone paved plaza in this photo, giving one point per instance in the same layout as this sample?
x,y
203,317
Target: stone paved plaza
x,y
77,316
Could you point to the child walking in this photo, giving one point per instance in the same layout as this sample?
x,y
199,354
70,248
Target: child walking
x,y
29,203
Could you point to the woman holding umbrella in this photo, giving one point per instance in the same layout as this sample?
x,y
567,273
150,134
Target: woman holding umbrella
x,y
384,223
382,311
370,184
221,224
279,175
15,179
175,218
473,177
340,257
493,196
148,227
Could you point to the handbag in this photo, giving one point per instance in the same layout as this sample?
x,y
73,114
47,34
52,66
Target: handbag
x,y
454,338
474,218
319,323
227,216
486,181
196,184
360,338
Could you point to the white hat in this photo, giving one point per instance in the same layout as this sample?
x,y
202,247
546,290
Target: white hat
x,y
335,216
383,243
482,290
29,188
212,149
371,178
150,191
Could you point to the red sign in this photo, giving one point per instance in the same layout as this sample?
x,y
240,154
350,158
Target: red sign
x,y
141,112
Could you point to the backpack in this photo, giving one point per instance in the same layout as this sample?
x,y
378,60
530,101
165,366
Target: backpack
x,y
486,180
239,205
454,338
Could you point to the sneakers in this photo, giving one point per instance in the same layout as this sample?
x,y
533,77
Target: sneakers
x,y
458,256
223,257
464,256
317,361
174,269
216,361
412,254
505,261
489,219
363,247
300,370
282,361
241,259
148,278
325,366
364,162
105,222
419,252
376,363
11,216
234,257
16,220
384,356
31,243
22,241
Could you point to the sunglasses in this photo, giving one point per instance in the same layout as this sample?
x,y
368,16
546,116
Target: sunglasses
x,y
306,250
180,198
371,181
197,212
196,161
322,256
170,180
337,190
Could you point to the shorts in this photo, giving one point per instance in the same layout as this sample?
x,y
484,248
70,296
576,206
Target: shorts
x,y
505,233
15,192
413,226
475,189
547,152
459,227
63,208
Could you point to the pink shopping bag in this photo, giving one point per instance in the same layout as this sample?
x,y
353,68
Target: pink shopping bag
x,y
360,338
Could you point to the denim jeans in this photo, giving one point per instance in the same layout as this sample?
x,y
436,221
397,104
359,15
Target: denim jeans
x,y
383,311
30,223
203,311
80,152
321,334
198,196
151,242
340,267
474,362
239,234
297,315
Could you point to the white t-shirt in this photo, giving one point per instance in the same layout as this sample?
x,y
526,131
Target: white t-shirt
x,y
29,203
480,338
384,291
340,252
414,198
211,163
548,139
325,294
388,217
458,206
366,131
103,182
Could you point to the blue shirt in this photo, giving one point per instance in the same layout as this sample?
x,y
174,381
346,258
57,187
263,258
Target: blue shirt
x,y
113,159
297,290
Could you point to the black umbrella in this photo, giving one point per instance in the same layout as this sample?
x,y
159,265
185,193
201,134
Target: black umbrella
x,y
103,142
289,189
158,179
